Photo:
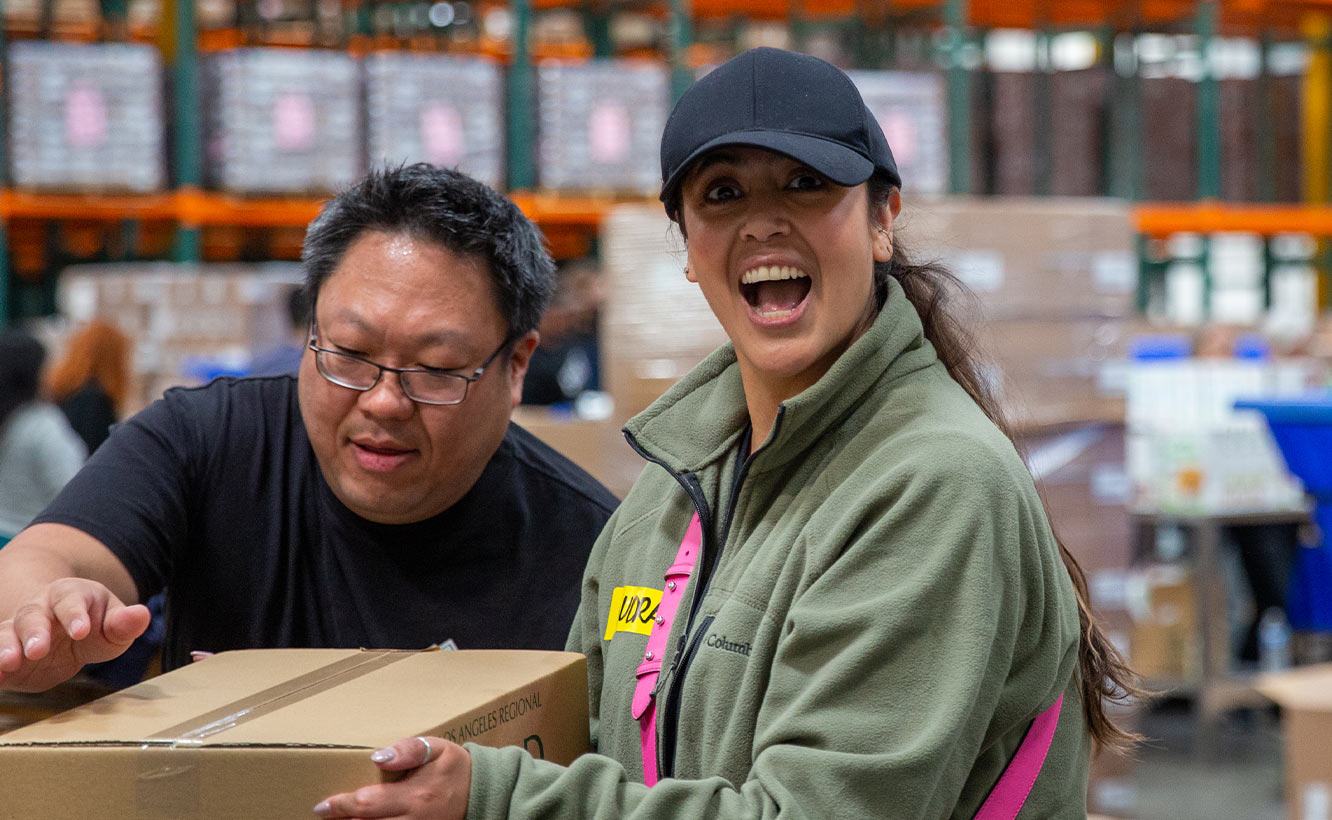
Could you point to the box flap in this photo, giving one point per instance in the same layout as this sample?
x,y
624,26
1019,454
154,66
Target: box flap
x,y
1307,688
285,697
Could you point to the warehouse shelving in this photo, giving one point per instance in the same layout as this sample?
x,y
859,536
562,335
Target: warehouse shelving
x,y
571,220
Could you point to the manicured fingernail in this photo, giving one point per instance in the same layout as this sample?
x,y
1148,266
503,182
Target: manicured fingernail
x,y
197,656
383,755
323,808
31,645
76,626
6,656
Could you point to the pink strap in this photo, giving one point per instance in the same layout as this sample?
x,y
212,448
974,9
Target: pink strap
x,y
645,696
1006,800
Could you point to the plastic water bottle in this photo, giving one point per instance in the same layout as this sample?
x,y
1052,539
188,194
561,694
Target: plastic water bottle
x,y
1273,641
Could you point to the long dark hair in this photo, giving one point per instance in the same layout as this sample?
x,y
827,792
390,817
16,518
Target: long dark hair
x,y
21,359
1104,674
932,289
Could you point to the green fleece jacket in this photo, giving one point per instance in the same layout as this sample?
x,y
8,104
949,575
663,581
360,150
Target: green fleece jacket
x,y
883,609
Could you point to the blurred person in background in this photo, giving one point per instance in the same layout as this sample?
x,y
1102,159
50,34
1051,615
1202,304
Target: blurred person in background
x,y
285,358
567,362
381,498
867,613
91,380
39,452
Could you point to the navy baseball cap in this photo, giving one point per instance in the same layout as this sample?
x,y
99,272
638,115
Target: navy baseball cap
x,y
786,102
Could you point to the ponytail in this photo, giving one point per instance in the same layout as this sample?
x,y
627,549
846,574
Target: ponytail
x,y
1104,674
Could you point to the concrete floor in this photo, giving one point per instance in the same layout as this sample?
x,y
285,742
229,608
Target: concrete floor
x,y
1241,778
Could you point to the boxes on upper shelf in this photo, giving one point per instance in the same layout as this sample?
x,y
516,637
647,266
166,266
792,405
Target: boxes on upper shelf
x,y
600,124
436,108
86,117
911,108
282,121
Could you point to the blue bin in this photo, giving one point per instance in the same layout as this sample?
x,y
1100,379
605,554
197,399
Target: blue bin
x,y
1302,428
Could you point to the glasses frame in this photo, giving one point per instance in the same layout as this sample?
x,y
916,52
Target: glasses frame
x,y
468,380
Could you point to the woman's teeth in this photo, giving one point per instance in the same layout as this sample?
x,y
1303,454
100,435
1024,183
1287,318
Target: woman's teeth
x,y
771,273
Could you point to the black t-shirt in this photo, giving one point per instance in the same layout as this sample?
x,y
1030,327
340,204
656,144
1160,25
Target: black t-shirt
x,y
214,494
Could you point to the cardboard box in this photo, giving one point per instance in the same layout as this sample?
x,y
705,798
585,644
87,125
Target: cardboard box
x,y
598,446
1038,258
1305,697
1164,640
268,733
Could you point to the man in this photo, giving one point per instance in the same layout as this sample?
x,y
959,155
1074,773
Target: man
x,y
381,498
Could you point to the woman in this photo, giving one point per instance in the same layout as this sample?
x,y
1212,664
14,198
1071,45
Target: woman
x,y
38,451
877,621
91,381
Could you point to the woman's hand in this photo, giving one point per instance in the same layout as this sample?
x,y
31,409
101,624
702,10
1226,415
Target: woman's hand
x,y
437,789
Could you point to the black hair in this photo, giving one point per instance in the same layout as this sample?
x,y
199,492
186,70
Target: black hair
x,y
21,360
298,312
444,206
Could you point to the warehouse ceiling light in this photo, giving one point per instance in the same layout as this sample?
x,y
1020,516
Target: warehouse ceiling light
x,y
442,15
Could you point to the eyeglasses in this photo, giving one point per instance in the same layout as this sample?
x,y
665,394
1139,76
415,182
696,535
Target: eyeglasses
x,y
420,384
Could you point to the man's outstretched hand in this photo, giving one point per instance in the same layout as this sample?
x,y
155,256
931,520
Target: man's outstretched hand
x,y
71,623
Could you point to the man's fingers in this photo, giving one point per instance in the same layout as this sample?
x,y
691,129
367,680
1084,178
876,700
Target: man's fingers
x,y
123,624
71,612
382,800
11,653
32,627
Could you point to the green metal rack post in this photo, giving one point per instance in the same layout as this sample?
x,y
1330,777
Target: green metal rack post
x,y
522,164
1209,132
959,97
189,130
682,36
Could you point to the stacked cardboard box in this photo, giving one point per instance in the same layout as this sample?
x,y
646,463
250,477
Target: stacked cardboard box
x,y
600,124
1306,703
911,109
1054,281
86,117
268,733
282,121
1074,132
596,445
655,324
439,109
183,320
1013,125
1169,144
1077,139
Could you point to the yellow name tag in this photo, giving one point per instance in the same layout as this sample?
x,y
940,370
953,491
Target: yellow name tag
x,y
632,610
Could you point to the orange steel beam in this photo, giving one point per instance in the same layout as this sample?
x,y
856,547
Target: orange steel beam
x,y
1163,219
200,208
32,205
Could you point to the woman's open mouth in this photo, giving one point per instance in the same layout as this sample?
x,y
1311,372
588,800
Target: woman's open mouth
x,y
776,294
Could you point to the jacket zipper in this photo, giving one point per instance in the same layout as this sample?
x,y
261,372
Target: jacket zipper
x,y
684,655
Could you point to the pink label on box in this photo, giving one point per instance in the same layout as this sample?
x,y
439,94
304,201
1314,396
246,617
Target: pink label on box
x,y
294,122
442,134
609,133
900,130
85,116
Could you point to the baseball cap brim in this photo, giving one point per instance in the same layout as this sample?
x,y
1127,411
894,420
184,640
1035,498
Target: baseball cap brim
x,y
835,161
